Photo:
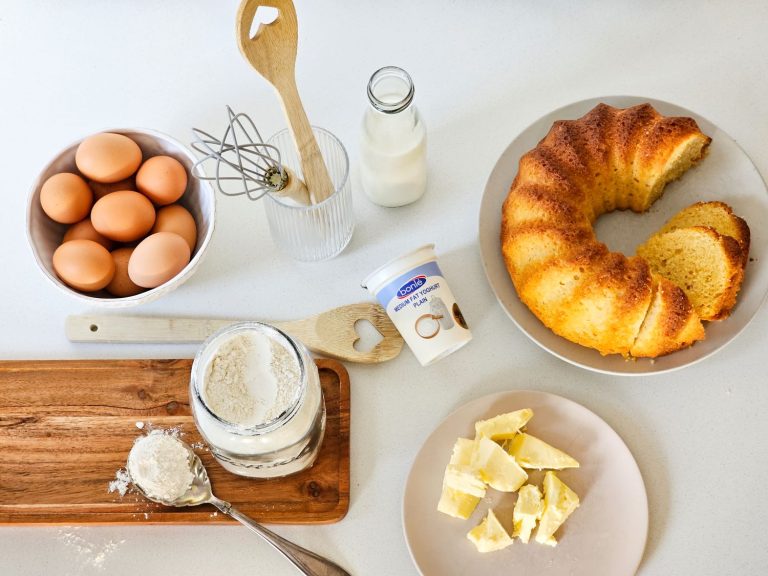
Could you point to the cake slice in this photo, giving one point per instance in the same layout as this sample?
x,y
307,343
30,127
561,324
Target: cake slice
x,y
670,324
706,265
716,215
665,151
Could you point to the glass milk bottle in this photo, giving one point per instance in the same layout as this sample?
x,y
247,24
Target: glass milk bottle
x,y
393,148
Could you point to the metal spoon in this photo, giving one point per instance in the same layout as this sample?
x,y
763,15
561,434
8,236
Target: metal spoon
x,y
200,493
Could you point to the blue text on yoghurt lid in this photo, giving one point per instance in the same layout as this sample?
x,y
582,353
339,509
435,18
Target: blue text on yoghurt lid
x,y
420,303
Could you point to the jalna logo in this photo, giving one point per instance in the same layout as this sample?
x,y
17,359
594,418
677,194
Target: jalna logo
x,y
411,286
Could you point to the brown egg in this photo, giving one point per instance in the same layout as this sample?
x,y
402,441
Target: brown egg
x,y
84,230
66,198
177,219
100,189
108,157
162,179
123,216
84,265
121,285
158,258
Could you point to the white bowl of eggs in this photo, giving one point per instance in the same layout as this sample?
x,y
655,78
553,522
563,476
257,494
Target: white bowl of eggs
x,y
116,219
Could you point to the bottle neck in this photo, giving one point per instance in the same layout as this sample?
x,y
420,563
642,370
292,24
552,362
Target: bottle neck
x,y
390,90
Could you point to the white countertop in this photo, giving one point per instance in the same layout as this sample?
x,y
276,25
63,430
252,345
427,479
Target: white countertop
x,y
483,72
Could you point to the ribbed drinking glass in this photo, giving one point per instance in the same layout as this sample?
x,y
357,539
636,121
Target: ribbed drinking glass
x,y
319,231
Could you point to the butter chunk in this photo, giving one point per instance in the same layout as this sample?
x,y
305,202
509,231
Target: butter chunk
x,y
559,503
489,535
461,474
528,510
462,485
503,426
462,452
457,504
496,467
532,453
464,479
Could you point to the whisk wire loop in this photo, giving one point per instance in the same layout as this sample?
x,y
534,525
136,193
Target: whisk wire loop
x,y
241,155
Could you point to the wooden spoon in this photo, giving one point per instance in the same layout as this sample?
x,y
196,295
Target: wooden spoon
x,y
330,333
272,53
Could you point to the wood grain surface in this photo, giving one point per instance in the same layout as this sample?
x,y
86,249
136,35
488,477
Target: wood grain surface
x,y
67,426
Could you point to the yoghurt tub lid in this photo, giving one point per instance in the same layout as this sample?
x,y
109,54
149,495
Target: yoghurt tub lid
x,y
376,280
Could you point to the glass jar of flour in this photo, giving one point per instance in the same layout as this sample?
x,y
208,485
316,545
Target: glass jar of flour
x,y
257,401
393,145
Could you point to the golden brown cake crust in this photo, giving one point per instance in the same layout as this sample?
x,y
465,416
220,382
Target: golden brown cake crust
x,y
735,256
610,158
670,324
678,312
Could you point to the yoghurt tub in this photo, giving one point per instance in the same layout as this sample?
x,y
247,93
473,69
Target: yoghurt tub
x,y
420,303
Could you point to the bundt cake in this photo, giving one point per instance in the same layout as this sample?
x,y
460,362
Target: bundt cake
x,y
609,159
707,266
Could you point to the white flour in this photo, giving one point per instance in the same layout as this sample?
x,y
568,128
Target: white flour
x,y
87,553
251,380
121,482
159,464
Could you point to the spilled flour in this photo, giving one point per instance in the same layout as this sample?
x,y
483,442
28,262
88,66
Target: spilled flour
x,y
121,483
88,553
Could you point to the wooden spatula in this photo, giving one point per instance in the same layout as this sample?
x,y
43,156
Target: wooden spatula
x,y
330,333
272,53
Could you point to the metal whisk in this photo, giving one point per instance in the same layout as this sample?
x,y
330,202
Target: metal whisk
x,y
254,165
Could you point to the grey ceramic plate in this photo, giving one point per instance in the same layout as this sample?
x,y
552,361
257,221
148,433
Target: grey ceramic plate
x,y
726,174
605,535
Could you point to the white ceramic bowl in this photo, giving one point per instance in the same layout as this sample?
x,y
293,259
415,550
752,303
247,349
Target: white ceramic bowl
x,y
45,235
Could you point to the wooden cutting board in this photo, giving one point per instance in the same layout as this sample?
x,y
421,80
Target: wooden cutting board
x,y
67,426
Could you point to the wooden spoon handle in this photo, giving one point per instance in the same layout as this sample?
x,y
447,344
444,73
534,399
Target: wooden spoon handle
x,y
330,333
312,165
142,329
272,53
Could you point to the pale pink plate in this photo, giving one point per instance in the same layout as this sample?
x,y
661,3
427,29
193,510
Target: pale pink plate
x,y
605,535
